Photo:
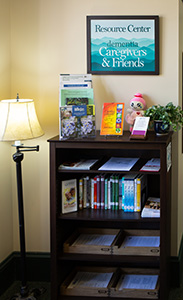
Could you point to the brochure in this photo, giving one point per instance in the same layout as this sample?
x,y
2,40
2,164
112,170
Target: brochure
x,y
153,165
147,282
77,121
95,239
112,119
90,279
119,164
81,164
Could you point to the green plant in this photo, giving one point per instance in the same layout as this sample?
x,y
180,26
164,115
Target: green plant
x,y
170,115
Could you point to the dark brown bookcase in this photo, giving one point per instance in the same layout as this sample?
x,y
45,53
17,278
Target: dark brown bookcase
x,y
63,225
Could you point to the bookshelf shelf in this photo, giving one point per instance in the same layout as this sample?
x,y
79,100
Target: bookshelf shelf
x,y
63,225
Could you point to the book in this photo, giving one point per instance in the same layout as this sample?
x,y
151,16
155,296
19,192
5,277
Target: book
x,y
80,164
153,165
112,119
119,164
128,192
102,200
151,208
81,193
140,183
77,121
69,196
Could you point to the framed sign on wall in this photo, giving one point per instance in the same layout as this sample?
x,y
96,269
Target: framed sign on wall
x,y
126,45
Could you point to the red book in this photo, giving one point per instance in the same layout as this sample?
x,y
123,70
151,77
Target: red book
x,y
95,192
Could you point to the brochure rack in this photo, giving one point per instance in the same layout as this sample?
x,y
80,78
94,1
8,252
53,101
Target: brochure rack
x,y
63,226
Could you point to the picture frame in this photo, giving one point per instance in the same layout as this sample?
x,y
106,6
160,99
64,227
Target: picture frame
x,y
123,45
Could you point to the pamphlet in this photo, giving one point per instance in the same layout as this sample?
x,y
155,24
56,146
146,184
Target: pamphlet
x,y
95,239
77,121
153,165
90,279
141,241
81,164
112,119
143,282
119,164
140,126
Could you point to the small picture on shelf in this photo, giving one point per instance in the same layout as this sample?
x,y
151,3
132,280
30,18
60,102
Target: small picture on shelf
x,y
69,196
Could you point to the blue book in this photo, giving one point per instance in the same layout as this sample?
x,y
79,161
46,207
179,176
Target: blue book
x,y
128,192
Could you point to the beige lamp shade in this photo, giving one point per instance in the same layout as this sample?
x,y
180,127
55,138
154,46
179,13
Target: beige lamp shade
x,y
18,120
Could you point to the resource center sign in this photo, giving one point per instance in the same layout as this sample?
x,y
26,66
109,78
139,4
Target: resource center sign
x,y
123,45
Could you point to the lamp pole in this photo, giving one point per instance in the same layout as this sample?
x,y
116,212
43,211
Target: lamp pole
x,y
18,157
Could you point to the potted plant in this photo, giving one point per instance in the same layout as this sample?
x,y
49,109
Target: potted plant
x,y
165,117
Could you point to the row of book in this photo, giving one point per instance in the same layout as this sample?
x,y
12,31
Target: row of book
x,y
76,106
114,192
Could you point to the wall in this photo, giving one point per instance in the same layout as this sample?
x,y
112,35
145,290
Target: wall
x,y
180,148
6,228
49,38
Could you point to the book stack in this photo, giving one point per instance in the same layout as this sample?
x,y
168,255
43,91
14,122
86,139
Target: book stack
x,y
115,192
76,106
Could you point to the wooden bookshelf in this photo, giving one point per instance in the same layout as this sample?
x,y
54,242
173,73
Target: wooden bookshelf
x,y
63,225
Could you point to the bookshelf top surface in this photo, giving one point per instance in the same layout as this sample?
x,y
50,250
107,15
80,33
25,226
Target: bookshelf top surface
x,y
125,138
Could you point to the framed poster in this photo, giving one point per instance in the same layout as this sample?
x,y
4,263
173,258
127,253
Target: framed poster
x,y
126,45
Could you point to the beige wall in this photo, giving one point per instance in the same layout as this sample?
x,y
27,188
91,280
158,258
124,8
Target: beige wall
x,y
6,228
48,37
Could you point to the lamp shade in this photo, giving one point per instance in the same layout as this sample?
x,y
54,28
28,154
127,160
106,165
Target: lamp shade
x,y
18,120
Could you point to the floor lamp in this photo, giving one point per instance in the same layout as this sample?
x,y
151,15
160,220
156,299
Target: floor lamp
x,y
18,121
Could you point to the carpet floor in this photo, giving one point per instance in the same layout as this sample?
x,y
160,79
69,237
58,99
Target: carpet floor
x,y
175,293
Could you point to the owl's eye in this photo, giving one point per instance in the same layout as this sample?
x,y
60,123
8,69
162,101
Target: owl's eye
x,y
132,104
139,105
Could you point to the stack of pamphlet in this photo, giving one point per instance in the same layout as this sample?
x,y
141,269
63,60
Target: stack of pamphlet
x,y
151,208
76,106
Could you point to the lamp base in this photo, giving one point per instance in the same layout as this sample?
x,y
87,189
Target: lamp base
x,y
31,295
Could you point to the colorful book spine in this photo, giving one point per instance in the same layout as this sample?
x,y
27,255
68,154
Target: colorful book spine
x,y
112,183
116,186
81,193
92,194
102,199
106,194
95,192
109,194
98,192
120,193
88,191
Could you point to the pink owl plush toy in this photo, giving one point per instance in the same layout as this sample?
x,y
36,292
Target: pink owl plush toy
x,y
137,107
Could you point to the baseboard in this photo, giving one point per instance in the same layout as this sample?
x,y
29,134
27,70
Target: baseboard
x,y
7,273
176,267
38,268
